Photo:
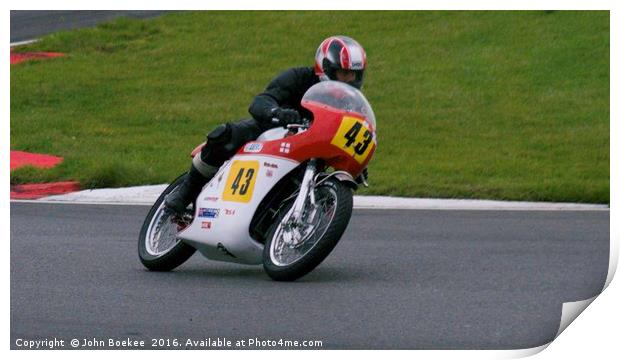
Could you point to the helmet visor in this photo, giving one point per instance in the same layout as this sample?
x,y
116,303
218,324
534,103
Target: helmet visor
x,y
354,78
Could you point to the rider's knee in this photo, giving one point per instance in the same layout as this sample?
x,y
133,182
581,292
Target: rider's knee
x,y
219,146
220,134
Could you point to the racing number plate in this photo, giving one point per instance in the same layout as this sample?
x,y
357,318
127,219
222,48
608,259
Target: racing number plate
x,y
241,180
355,138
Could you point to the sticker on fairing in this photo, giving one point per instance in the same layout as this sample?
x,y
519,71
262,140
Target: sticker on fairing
x,y
208,213
240,182
253,147
355,138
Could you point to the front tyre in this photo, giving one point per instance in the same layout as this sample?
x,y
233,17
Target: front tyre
x,y
293,250
158,246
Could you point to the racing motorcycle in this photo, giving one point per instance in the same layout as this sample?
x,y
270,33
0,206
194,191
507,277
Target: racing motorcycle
x,y
283,200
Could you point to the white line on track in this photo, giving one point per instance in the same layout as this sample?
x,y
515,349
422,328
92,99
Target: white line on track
x,y
25,42
146,195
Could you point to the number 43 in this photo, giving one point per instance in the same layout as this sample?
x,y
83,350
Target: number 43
x,y
351,136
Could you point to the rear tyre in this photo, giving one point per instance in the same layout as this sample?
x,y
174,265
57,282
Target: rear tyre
x,y
158,247
321,230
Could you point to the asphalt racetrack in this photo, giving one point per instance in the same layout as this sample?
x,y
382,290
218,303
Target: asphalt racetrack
x,y
397,280
28,25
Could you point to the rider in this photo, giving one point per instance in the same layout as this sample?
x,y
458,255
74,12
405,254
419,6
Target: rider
x,y
338,58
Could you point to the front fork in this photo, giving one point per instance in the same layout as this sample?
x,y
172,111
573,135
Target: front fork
x,y
295,222
306,187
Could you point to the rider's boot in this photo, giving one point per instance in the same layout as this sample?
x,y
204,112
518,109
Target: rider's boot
x,y
199,174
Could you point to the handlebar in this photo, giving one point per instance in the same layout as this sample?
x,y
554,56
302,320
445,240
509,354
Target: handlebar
x,y
304,123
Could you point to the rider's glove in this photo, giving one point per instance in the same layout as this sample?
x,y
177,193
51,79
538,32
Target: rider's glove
x,y
286,116
363,177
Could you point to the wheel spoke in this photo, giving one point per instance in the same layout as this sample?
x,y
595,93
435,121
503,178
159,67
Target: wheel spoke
x,y
283,253
161,236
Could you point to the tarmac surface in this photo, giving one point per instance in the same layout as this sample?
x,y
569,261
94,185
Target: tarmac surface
x,y
398,279
31,24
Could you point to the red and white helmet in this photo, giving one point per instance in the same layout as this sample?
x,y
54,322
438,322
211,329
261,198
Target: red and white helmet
x,y
340,52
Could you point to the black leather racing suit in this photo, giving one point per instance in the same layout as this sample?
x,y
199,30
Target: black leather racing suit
x,y
285,90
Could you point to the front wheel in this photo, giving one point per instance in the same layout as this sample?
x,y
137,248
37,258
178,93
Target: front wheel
x,y
294,249
158,246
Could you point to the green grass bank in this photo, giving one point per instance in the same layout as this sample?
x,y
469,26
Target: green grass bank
x,y
469,104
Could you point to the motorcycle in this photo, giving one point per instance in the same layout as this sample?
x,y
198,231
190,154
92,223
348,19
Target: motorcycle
x,y
283,200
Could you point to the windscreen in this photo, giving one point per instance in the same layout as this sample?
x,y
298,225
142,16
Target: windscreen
x,y
341,96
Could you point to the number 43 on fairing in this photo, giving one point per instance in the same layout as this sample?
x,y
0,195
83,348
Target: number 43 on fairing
x,y
355,138
241,180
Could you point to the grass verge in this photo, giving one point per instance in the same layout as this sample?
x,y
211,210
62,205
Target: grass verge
x,y
493,104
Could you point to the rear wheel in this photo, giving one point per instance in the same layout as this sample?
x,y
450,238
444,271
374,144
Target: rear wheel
x,y
158,246
294,249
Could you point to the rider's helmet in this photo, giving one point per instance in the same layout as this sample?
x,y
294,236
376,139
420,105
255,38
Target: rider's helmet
x,y
340,52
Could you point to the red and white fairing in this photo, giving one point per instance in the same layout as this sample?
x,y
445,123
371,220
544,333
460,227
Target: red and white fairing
x,y
343,134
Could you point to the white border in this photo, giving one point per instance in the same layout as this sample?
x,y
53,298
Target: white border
x,y
5,175
319,4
